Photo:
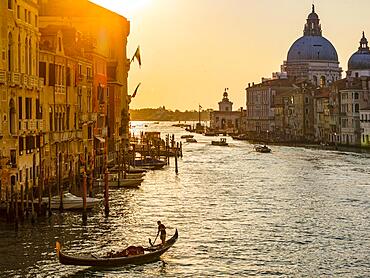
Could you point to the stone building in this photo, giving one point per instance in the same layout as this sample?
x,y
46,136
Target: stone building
x,y
20,87
225,120
66,103
110,31
365,126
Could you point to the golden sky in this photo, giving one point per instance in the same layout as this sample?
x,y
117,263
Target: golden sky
x,y
192,49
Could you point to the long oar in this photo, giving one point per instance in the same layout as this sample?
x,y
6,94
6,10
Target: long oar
x,y
150,241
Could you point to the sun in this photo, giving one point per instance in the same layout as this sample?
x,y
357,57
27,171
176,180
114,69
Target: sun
x,y
124,7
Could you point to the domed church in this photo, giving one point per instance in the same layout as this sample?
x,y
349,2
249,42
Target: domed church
x,y
312,57
359,63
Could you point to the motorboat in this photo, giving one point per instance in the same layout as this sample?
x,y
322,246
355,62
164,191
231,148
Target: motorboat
x,y
191,140
262,149
222,142
187,136
71,201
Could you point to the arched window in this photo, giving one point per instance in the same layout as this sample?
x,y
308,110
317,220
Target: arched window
x,y
356,95
51,119
10,52
12,116
315,80
322,81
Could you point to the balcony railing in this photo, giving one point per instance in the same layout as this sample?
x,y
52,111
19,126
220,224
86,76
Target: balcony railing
x,y
2,77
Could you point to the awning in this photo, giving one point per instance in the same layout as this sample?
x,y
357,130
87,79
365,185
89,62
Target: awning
x,y
101,139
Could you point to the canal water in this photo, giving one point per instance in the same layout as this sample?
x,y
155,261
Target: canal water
x,y
293,213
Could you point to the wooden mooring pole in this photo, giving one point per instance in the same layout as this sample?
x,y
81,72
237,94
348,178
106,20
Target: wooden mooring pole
x,y
176,154
106,193
84,196
16,209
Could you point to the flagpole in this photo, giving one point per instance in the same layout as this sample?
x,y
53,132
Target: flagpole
x,y
199,114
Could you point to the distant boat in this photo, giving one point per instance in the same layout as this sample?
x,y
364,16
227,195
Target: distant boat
x,y
210,133
156,123
222,142
240,137
191,140
71,201
128,183
186,136
262,149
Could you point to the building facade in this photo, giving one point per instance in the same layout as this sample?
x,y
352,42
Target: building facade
x,y
20,86
225,120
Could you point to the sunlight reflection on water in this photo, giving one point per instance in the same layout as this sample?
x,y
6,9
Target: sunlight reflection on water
x,y
294,212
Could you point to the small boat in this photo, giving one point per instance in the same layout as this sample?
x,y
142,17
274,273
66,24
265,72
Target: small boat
x,y
186,136
135,170
151,254
156,123
210,133
191,140
128,183
71,201
222,142
240,137
153,164
262,149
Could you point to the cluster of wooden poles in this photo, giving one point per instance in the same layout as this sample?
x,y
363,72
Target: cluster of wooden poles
x,y
18,205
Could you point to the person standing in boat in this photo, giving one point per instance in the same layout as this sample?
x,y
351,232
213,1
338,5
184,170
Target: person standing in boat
x,y
162,231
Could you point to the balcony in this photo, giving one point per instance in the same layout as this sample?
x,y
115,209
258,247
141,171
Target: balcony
x,y
60,89
79,134
14,79
83,118
2,77
93,117
24,80
62,136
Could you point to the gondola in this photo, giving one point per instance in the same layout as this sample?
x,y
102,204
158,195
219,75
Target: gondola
x,y
151,254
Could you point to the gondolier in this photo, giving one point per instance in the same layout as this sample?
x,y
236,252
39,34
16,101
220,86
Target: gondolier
x,y
162,231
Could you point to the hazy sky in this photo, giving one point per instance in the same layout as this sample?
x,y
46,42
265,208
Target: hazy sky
x,y
192,49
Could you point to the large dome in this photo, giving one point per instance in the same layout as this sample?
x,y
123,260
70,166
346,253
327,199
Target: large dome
x,y
312,48
360,60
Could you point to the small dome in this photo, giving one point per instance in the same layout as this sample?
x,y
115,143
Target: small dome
x,y
313,16
312,48
360,60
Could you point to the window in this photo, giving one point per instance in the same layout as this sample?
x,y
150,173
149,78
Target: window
x,y
38,110
21,145
357,108
51,119
36,21
18,12
356,95
28,108
42,71
60,44
10,4
10,52
51,74
20,108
